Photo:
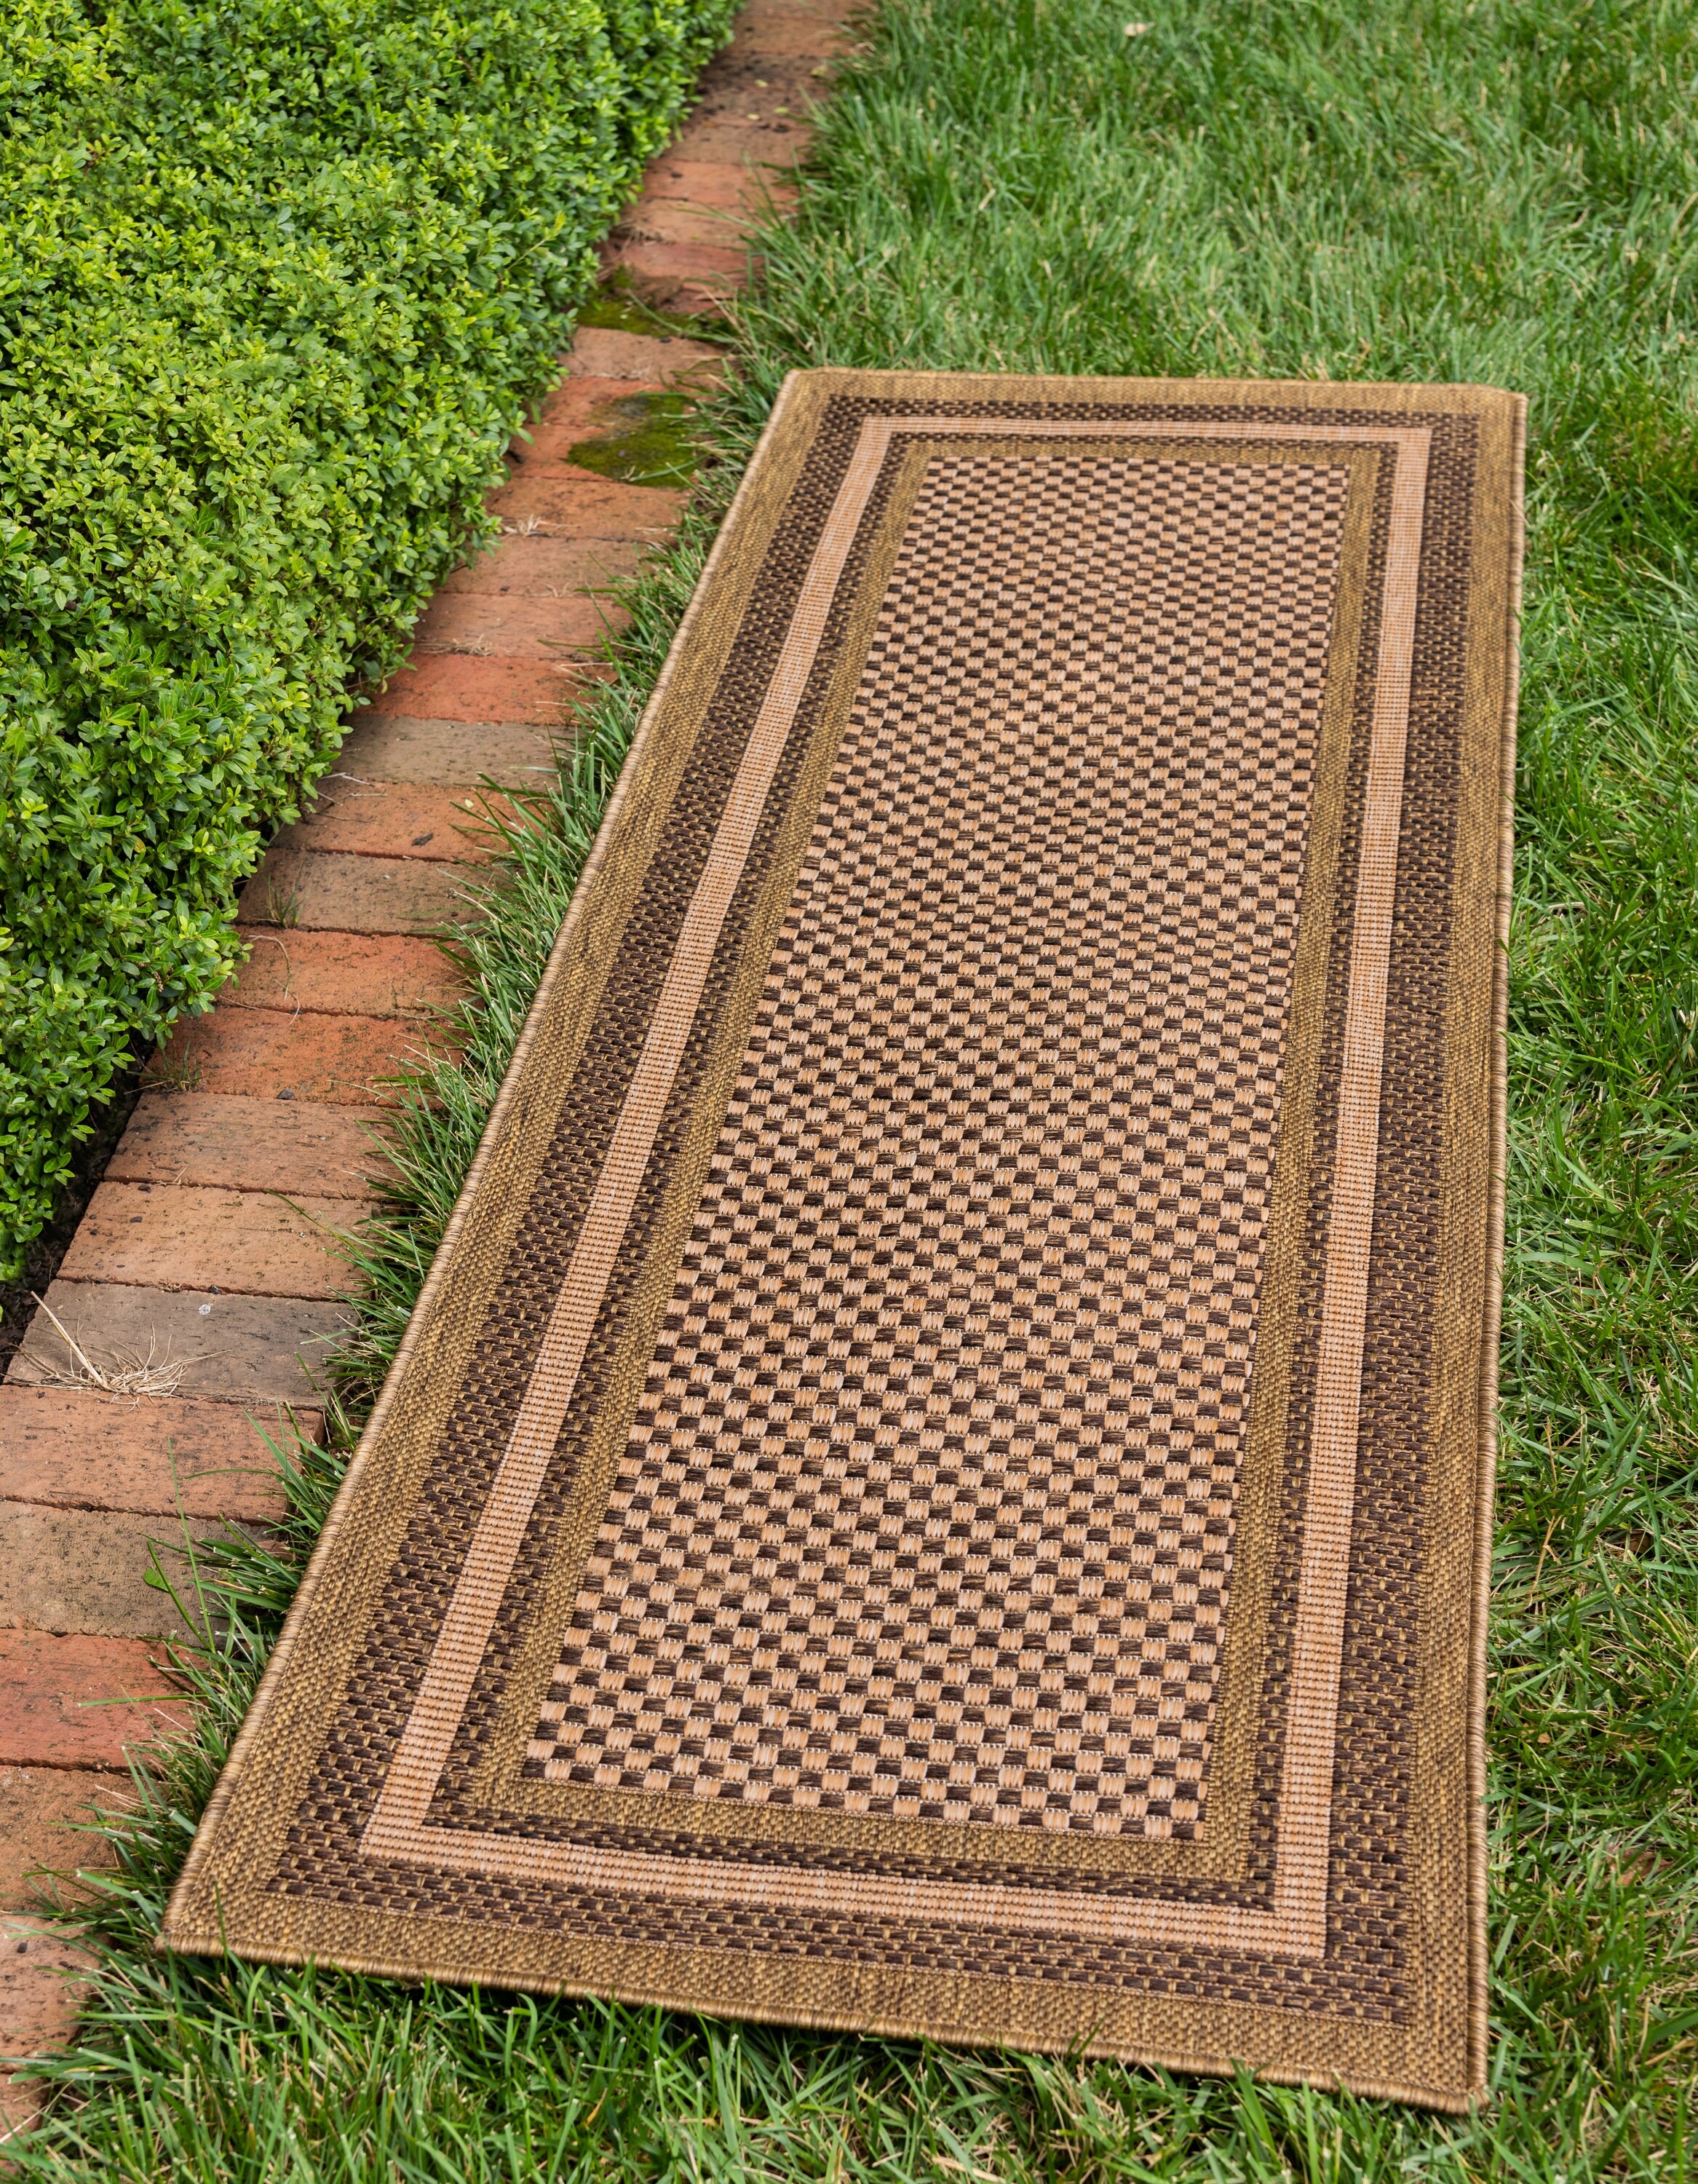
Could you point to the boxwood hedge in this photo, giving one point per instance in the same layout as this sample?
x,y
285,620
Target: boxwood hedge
x,y
276,280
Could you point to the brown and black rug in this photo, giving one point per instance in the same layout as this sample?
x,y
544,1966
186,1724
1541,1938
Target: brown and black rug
x,y
940,1481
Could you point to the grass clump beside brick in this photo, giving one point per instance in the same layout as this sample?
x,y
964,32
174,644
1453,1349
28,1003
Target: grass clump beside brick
x,y
1491,189
276,280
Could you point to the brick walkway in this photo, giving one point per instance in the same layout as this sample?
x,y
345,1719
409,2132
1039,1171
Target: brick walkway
x,y
200,1252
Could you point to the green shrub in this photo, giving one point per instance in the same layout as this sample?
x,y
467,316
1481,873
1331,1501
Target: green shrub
x,y
276,280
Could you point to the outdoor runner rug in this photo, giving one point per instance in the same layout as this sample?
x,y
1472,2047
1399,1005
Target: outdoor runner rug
x,y
940,1481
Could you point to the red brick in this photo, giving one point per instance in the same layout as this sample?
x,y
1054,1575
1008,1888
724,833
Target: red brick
x,y
81,1702
712,271
622,406
704,186
667,287
43,1812
550,630
790,27
41,1992
236,1143
545,568
91,1570
578,406
236,1348
244,1241
460,687
607,353
270,1054
367,974
75,1448
675,220
765,88
328,891
699,299
751,143
391,819
560,497
604,404
586,407
393,746
566,408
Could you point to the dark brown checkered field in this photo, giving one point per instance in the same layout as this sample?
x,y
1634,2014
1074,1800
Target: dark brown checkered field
x,y
941,1480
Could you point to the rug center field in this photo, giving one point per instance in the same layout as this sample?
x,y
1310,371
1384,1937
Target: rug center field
x,y
927,1509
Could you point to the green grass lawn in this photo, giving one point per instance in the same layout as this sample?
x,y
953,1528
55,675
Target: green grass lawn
x,y
1386,189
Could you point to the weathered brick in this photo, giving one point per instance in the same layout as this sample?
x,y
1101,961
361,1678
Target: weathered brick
x,y
365,974
602,409
568,411
238,1349
329,891
681,277
276,1054
556,495
542,568
81,1700
662,258
43,1816
42,1989
391,819
462,687
707,186
745,87
394,747
680,220
578,406
485,624
605,353
75,1448
791,28
704,298
232,1143
245,1241
751,143
85,1571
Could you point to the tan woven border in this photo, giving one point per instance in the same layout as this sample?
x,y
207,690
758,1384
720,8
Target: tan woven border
x,y
219,1881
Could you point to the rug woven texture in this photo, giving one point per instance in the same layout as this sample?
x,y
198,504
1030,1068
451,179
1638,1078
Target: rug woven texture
x,y
940,1482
